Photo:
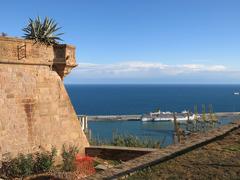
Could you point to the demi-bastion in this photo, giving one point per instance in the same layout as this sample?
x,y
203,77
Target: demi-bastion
x,y
35,110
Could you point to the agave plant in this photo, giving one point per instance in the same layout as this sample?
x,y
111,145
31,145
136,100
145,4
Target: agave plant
x,y
43,32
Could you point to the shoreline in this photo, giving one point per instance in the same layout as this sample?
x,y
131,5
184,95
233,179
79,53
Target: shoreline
x,y
137,117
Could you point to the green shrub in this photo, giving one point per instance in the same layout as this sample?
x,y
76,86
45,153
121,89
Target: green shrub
x,y
19,167
128,141
25,165
134,141
44,161
68,156
96,141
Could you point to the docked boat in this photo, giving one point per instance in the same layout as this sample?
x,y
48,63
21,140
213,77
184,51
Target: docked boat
x,y
168,116
164,117
145,118
185,116
181,118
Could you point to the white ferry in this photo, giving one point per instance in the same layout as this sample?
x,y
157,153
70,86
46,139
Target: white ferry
x,y
168,116
146,118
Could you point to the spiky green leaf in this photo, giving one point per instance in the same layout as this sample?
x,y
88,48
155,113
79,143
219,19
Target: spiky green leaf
x,y
42,31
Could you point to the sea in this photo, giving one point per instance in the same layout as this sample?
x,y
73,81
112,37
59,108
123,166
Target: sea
x,y
141,99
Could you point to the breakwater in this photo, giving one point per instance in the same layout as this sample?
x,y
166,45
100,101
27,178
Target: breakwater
x,y
137,117
115,117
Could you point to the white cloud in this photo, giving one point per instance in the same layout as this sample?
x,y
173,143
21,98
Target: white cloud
x,y
202,67
152,72
135,67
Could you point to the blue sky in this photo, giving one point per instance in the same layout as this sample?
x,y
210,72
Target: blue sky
x,y
141,41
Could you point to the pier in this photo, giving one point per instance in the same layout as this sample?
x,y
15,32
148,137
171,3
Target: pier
x,y
115,117
137,117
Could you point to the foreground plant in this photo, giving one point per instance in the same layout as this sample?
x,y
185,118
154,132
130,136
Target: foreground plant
x,y
69,157
128,140
42,31
18,167
44,161
25,165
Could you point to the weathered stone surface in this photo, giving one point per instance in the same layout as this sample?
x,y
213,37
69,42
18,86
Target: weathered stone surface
x,y
35,110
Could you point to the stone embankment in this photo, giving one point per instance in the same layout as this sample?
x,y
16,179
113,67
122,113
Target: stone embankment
x,y
165,154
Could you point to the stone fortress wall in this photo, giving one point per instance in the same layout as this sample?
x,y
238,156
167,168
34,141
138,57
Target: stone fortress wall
x,y
35,110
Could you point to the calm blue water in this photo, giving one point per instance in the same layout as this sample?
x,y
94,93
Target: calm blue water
x,y
161,131
139,99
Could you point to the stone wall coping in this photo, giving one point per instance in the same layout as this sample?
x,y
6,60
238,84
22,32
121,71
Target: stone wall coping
x,y
17,39
120,148
60,57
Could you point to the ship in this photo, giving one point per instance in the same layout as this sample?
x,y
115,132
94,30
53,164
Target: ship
x,y
168,116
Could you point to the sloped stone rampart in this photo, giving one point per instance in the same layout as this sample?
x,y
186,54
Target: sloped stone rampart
x,y
35,110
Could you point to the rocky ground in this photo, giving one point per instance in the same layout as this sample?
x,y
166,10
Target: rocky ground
x,y
217,160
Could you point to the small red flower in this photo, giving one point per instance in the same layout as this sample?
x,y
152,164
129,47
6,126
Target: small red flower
x,y
85,165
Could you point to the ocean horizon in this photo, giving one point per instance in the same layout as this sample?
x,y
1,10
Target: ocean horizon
x,y
140,99
108,99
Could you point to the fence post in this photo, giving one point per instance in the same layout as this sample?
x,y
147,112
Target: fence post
x,y
188,121
89,134
86,123
176,130
83,122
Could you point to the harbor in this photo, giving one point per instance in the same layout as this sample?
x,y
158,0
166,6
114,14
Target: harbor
x,y
137,117
162,131
159,130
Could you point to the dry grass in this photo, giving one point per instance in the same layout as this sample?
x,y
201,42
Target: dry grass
x,y
217,160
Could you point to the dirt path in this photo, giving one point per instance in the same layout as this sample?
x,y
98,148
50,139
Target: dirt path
x,y
217,160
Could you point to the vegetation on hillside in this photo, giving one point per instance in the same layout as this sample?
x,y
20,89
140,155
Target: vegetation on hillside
x,y
128,140
41,163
